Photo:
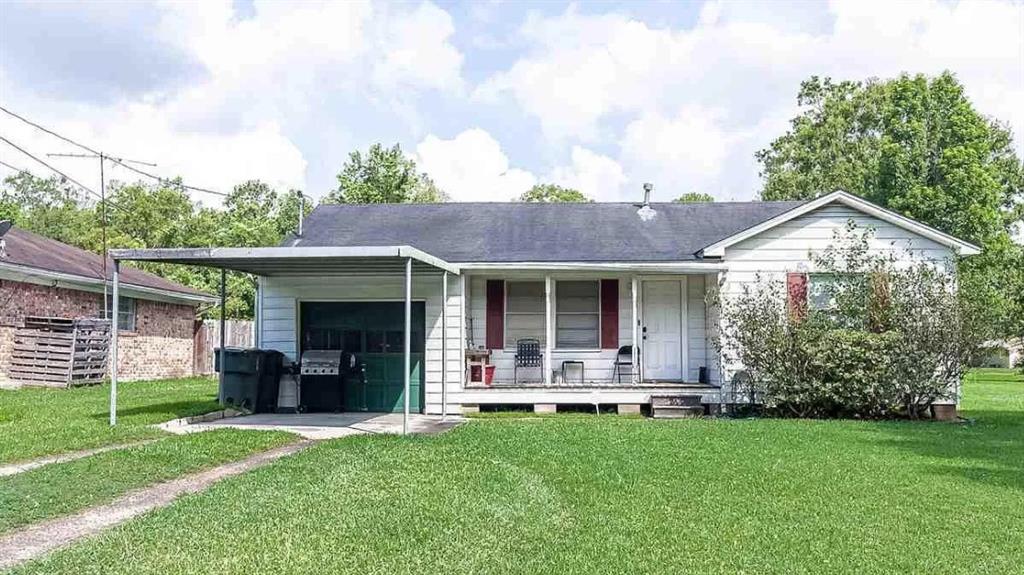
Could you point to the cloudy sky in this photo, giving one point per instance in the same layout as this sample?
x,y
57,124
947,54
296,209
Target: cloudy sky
x,y
489,97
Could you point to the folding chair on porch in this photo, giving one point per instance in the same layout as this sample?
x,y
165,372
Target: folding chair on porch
x,y
527,355
624,359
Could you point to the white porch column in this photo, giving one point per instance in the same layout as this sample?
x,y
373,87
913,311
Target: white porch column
x,y
463,340
548,332
113,345
444,345
408,343
634,293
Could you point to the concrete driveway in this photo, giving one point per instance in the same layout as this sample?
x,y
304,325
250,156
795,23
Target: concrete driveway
x,y
322,425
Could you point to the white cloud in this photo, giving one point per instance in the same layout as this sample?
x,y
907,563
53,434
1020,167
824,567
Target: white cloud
x,y
263,75
471,167
584,76
418,51
597,176
216,161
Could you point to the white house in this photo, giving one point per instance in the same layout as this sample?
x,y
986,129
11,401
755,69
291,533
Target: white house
x,y
444,286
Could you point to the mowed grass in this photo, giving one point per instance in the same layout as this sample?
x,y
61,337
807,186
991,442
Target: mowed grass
x,y
36,422
603,494
64,488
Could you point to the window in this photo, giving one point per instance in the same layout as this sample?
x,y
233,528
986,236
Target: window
x,y
524,311
578,315
824,289
125,312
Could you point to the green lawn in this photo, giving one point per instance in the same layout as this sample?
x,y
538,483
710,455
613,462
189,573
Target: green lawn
x,y
35,422
63,488
603,494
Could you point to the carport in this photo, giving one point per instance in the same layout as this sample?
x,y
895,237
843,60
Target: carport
x,y
300,262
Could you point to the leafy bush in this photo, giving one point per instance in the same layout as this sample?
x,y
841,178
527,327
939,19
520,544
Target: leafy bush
x,y
897,338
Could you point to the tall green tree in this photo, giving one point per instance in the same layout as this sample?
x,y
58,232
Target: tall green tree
x,y
163,215
383,176
146,216
694,198
918,146
549,193
47,206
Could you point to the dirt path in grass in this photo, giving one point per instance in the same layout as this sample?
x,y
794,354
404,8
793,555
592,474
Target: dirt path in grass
x,y
37,540
21,467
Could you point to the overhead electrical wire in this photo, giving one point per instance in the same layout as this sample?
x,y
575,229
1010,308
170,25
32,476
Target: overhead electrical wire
x,y
59,173
111,158
19,170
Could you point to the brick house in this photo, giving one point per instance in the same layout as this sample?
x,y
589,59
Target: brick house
x,y
43,277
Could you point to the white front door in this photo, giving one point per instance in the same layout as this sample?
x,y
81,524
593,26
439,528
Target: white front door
x,y
662,341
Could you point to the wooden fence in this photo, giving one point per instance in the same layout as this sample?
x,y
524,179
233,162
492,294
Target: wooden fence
x,y
238,333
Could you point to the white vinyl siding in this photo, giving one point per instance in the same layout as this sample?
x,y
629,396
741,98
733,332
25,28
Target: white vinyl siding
x,y
524,312
577,314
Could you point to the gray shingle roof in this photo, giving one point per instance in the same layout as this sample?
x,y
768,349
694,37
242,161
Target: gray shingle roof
x,y
31,250
537,232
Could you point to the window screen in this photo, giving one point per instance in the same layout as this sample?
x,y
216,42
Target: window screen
x,y
524,311
578,315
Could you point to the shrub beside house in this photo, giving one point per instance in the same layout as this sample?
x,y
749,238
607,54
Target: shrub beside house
x,y
866,335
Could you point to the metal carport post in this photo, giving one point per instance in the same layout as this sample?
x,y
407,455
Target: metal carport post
x,y
408,343
113,344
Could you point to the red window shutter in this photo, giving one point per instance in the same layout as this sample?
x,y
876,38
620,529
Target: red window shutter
x,y
495,314
796,289
609,314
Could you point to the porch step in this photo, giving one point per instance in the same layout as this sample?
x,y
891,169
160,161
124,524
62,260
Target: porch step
x,y
677,412
676,406
676,400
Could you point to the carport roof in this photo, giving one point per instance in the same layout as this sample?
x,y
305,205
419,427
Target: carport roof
x,y
294,261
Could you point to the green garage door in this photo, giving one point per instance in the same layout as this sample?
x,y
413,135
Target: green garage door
x,y
375,333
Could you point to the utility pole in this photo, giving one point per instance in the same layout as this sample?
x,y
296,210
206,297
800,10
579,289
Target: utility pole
x,y
103,214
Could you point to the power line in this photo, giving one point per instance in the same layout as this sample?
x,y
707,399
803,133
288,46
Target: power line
x,y
19,170
58,172
165,180
118,161
51,132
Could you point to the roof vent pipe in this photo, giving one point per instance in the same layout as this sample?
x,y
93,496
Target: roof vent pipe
x,y
646,212
298,194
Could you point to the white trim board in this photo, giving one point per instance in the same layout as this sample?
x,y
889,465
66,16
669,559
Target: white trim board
x,y
228,257
717,249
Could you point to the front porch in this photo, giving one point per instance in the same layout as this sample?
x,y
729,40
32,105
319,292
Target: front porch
x,y
609,332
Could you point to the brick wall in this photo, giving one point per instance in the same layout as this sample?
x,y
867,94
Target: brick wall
x,y
160,346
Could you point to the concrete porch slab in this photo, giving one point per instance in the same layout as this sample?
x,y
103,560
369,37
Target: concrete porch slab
x,y
322,425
